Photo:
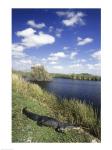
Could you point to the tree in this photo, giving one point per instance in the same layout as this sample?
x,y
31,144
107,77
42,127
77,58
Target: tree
x,y
72,76
38,73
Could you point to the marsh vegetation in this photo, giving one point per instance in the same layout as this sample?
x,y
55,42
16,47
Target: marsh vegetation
x,y
45,103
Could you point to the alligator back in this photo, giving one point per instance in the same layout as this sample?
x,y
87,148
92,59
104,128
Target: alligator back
x,y
48,121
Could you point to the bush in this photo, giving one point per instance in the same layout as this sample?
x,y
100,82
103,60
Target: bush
x,y
39,73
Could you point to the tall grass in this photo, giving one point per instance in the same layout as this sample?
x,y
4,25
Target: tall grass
x,y
71,111
79,113
33,91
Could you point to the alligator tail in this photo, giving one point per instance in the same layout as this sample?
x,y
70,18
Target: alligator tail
x,y
24,110
30,115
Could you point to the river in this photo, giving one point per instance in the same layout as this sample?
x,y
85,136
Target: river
x,y
89,91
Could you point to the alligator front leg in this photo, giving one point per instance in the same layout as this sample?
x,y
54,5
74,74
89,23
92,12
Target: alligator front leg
x,y
39,124
60,130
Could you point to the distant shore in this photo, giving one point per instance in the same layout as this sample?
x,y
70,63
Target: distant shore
x,y
81,76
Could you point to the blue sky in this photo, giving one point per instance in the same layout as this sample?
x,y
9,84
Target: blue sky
x,y
63,40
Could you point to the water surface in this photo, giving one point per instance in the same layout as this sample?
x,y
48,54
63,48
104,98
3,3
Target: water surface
x,y
90,91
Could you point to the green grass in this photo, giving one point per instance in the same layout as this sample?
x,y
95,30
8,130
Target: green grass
x,y
39,101
79,113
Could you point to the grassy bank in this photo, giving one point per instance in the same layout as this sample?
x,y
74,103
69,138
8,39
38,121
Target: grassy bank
x,y
44,103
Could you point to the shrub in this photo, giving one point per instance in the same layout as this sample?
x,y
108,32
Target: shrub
x,y
39,73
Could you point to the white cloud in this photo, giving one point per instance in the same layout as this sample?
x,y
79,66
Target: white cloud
x,y
98,65
94,66
62,13
86,68
81,60
25,61
65,13
58,67
58,32
44,60
56,56
17,47
84,41
26,33
72,18
65,47
79,38
75,66
37,65
35,25
38,40
51,28
76,19
72,55
17,65
51,58
18,50
90,66
31,39
97,55
53,62
18,54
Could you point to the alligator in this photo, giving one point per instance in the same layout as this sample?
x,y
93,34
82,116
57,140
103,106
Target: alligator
x,y
49,121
